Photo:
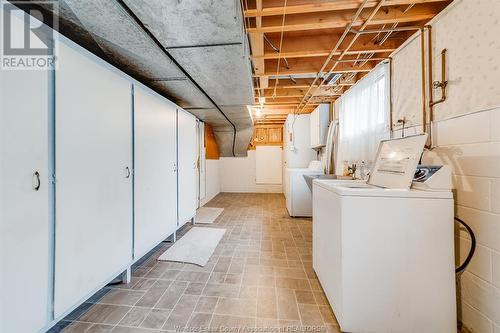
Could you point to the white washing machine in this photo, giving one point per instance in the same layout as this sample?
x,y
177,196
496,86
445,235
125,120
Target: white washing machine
x,y
297,193
385,257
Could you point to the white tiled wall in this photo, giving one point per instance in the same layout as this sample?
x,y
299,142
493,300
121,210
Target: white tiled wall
x,y
476,166
467,137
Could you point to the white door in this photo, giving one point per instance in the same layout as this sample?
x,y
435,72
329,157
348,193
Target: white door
x,y
155,176
24,203
93,176
187,155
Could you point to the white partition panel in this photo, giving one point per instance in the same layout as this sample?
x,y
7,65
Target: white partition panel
x,y
24,203
202,189
187,155
94,183
268,165
155,175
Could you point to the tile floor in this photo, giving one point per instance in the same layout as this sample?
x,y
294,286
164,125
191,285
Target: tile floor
x,y
260,279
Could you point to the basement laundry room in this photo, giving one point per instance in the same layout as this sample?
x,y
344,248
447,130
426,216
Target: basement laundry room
x,y
239,166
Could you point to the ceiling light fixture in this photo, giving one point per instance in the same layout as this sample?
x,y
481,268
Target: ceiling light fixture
x,y
258,113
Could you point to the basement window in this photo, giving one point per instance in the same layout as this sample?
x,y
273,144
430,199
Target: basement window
x,y
363,118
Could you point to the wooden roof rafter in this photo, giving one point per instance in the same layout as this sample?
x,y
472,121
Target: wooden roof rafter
x,y
311,28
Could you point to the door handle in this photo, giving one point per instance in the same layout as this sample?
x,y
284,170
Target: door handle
x,y
128,173
175,167
36,181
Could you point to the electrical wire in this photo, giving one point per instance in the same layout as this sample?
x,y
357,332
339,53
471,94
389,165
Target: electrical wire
x,y
467,260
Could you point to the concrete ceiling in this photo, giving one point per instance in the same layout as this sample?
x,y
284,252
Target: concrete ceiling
x,y
205,37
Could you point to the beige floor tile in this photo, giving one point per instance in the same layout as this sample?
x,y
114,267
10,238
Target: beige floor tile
x,y
236,267
135,317
310,315
144,284
105,314
193,276
170,274
248,292
223,264
194,288
217,277
206,304
232,322
172,295
320,298
287,305
332,328
124,329
267,303
236,307
305,297
222,290
291,283
152,296
122,297
156,271
328,315
100,328
180,315
260,274
156,318
77,327
198,322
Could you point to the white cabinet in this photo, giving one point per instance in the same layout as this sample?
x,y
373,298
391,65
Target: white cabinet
x,y
24,200
187,171
93,171
319,125
296,145
155,176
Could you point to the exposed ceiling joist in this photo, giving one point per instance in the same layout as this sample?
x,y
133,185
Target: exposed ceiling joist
x,y
300,67
314,66
275,7
320,46
340,19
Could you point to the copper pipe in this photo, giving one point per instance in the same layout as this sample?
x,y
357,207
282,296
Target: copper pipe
x,y
424,104
430,75
443,83
391,126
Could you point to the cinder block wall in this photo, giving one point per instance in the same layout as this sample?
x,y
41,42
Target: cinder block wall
x,y
466,133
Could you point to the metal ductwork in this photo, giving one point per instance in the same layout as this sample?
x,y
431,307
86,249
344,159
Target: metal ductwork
x,y
192,52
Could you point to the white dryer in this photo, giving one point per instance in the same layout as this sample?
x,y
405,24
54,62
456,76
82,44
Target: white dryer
x,y
297,193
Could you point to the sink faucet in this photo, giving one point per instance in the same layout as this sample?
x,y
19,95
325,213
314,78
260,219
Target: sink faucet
x,y
352,170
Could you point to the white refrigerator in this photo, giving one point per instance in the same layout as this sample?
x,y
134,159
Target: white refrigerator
x,y
297,151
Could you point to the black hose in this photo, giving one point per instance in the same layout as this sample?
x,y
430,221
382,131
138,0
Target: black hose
x,y
467,260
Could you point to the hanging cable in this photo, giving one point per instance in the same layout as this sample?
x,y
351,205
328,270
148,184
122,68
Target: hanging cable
x,y
467,260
